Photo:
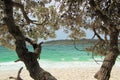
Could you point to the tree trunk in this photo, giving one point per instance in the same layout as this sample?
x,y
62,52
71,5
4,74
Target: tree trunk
x,y
29,58
109,61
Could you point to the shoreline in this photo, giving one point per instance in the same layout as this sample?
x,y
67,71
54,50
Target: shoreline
x,y
61,70
49,64
53,64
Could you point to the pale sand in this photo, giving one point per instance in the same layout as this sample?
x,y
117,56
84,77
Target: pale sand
x,y
82,73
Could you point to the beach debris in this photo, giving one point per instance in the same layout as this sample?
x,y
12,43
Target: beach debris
x,y
18,76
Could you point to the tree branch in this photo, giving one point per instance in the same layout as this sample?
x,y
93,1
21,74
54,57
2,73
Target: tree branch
x,y
29,59
95,33
94,54
37,47
94,59
99,12
15,4
76,46
2,25
19,72
43,22
93,36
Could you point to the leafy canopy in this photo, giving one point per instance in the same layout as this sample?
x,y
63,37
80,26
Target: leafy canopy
x,y
41,18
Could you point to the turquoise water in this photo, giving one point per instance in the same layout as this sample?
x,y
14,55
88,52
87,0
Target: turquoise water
x,y
50,53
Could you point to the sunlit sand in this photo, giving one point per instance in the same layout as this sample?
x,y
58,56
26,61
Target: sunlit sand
x,y
61,70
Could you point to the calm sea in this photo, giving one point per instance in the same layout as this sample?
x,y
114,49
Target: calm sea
x,y
51,53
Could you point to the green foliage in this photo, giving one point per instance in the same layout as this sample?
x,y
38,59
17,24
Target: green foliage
x,y
101,16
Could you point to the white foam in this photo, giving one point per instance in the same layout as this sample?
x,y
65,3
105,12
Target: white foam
x,y
10,65
52,64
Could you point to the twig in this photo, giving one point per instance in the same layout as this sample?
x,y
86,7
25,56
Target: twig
x,y
93,36
76,46
94,59
95,33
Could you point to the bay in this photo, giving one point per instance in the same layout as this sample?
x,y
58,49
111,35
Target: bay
x,y
55,52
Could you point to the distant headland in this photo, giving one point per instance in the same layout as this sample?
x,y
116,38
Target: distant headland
x,y
68,41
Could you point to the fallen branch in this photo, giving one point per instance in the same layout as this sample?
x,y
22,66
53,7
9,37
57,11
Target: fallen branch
x,y
18,76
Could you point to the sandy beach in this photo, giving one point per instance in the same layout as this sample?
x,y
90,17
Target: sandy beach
x,y
70,71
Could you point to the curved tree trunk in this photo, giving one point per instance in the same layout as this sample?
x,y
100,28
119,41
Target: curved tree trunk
x,y
29,58
109,61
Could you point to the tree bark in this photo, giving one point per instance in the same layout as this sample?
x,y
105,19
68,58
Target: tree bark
x,y
109,61
29,58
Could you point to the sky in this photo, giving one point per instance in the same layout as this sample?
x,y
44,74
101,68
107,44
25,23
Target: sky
x,y
61,35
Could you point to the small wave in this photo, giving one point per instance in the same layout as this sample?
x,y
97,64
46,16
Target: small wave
x,y
62,59
10,65
75,59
